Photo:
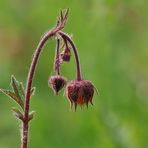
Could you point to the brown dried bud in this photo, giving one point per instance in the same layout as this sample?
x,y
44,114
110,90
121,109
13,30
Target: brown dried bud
x,y
65,55
79,92
57,82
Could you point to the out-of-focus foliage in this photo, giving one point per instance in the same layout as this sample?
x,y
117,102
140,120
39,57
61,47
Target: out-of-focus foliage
x,y
111,37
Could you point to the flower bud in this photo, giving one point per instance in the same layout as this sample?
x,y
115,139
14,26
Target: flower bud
x,y
57,82
80,92
65,55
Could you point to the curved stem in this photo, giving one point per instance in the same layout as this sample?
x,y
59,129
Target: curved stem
x,y
66,44
65,36
29,85
60,25
57,60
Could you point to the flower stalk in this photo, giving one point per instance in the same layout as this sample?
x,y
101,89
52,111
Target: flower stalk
x,y
57,60
66,37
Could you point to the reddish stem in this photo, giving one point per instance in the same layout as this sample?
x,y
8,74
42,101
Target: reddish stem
x,y
66,37
60,25
29,85
57,60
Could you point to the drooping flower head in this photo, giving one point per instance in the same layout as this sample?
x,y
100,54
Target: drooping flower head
x,y
79,92
57,82
65,55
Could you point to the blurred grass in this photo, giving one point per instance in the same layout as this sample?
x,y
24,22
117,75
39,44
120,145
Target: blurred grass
x,y
111,37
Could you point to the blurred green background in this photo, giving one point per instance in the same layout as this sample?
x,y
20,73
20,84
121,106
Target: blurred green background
x,y
111,36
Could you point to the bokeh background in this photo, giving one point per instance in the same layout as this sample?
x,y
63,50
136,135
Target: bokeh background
x,y
111,36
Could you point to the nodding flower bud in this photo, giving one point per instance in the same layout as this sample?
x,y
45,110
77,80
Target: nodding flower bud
x,y
65,55
57,82
80,92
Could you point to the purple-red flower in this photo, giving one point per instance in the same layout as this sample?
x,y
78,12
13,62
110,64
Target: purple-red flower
x,y
57,82
65,55
80,92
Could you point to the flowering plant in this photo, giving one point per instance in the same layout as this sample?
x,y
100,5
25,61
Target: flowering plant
x,y
78,91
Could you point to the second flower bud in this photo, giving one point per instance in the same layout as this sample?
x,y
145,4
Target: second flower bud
x,y
56,82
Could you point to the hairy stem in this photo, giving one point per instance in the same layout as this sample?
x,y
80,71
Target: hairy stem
x,y
29,85
65,36
60,25
57,60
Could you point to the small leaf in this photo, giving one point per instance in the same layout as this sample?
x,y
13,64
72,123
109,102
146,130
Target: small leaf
x,y
15,86
33,91
61,14
64,17
21,90
66,13
13,96
17,113
31,115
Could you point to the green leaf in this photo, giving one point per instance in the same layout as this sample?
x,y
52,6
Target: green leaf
x,y
18,88
31,115
15,86
33,91
17,113
21,90
13,96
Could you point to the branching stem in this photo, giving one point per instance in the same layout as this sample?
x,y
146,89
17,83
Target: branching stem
x,y
53,32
